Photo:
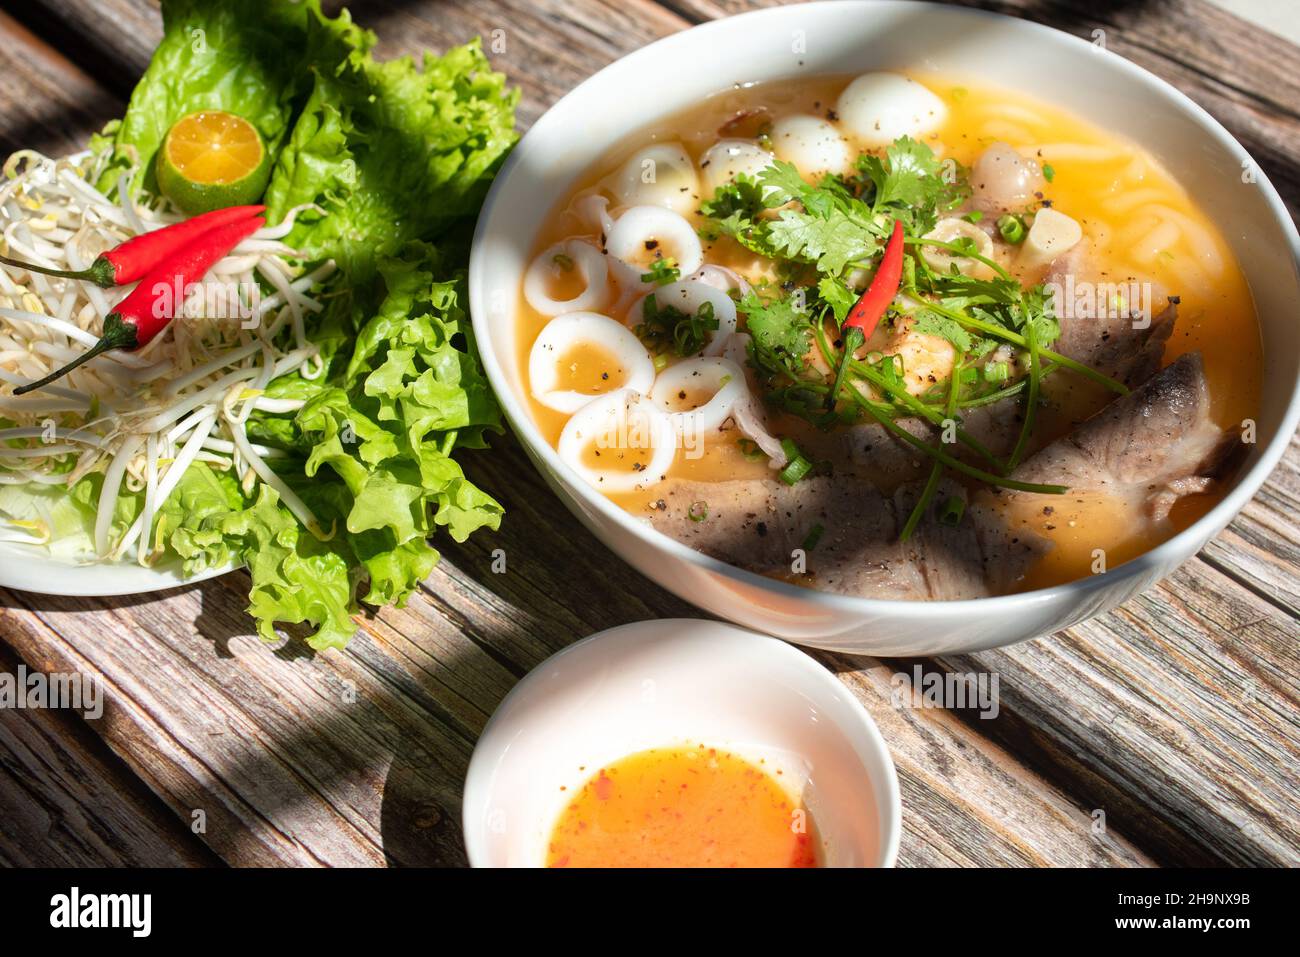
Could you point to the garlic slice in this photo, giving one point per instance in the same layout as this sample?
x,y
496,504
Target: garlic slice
x,y
1053,234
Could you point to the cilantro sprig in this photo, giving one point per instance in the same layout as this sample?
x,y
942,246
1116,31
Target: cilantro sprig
x,y
825,240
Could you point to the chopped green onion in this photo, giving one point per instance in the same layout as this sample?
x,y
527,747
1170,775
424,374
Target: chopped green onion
x,y
797,466
814,536
997,371
698,511
951,511
1049,173
1006,391
662,272
974,216
661,361
667,328
927,493
563,261
750,450
795,471
1012,228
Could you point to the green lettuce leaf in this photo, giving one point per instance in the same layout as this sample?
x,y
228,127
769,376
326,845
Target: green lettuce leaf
x,y
255,58
398,157
411,391
296,578
186,520
392,152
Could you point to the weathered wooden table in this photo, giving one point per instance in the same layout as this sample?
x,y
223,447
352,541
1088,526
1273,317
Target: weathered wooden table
x,y
1177,717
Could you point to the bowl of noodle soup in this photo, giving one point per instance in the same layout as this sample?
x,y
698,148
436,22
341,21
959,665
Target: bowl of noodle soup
x,y
1152,183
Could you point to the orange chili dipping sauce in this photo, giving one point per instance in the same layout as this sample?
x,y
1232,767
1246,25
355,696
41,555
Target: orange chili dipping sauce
x,y
683,807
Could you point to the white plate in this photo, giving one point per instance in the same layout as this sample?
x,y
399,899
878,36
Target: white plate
x,y
672,682
26,568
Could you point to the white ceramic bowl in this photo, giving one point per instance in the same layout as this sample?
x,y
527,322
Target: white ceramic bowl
x,y
853,37
672,682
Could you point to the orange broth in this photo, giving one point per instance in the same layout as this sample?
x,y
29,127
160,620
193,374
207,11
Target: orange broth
x,y
1123,199
683,807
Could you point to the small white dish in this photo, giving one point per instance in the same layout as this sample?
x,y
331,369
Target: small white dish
x,y
673,682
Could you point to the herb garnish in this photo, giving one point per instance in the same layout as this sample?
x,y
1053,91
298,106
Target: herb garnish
x,y
825,241
662,272
666,329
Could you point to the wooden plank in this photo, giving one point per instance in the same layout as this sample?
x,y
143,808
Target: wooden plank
x,y
968,804
1178,714
46,103
66,800
546,47
110,40
1261,548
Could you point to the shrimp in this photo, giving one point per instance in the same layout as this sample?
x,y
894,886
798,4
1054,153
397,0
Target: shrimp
x,y
926,359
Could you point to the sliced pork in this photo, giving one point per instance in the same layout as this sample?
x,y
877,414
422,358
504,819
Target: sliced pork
x,y
770,527
1120,342
1148,448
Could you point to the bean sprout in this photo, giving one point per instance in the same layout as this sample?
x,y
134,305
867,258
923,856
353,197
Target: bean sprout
x,y
124,414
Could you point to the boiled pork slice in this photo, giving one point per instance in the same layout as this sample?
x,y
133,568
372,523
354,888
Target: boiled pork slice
x,y
1124,347
1147,449
760,523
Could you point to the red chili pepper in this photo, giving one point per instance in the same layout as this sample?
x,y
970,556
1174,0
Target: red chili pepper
x,y
865,315
153,304
130,260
